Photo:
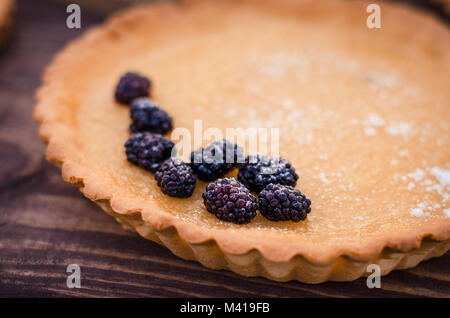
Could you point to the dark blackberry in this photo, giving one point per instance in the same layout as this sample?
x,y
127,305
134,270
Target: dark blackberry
x,y
258,171
176,178
216,160
148,150
147,116
283,203
230,201
131,86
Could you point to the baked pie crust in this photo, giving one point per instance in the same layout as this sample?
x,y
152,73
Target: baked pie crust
x,y
6,12
363,116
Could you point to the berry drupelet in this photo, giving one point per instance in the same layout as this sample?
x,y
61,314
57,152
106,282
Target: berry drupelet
x,y
283,203
131,86
230,201
147,116
176,178
258,171
216,160
148,150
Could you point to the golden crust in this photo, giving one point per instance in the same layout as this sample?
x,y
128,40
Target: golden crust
x,y
6,12
265,253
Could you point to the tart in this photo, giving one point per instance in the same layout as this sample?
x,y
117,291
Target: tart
x,y
6,12
363,114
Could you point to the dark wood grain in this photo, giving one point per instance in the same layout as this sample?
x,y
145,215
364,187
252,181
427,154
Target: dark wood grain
x,y
46,224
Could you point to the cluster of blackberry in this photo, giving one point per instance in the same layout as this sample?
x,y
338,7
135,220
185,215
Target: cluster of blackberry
x,y
273,178
147,147
230,200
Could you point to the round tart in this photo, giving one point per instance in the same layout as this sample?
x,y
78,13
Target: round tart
x,y
363,115
6,11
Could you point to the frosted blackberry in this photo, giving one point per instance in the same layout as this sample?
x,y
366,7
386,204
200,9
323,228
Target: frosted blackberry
x,y
131,86
283,203
147,116
148,150
176,178
258,171
230,201
216,160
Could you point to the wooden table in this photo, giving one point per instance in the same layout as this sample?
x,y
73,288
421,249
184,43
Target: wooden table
x,y
46,224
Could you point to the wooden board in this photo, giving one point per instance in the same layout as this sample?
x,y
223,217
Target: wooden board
x,y
46,224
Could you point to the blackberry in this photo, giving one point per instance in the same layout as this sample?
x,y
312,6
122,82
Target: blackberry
x,y
216,160
131,86
176,178
147,116
148,150
282,203
230,201
258,171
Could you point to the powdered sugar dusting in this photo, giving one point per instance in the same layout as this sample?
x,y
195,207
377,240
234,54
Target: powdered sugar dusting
x,y
417,175
382,80
323,178
281,63
443,176
399,129
371,123
439,185
370,131
416,212
403,153
447,212
374,120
